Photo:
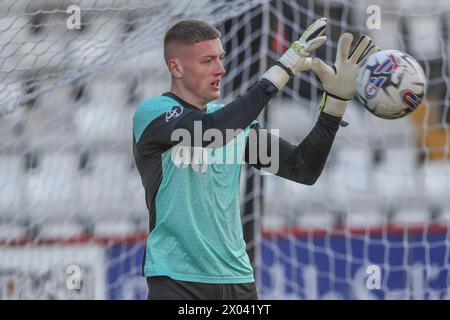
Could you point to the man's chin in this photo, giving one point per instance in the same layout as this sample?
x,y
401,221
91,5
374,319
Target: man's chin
x,y
211,96
215,96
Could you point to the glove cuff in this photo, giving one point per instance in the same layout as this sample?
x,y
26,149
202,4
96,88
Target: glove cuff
x,y
333,105
277,76
288,71
336,97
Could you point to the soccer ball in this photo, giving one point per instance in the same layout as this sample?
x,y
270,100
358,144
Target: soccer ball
x,y
391,84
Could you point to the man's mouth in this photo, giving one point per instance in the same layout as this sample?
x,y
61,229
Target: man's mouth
x,y
216,84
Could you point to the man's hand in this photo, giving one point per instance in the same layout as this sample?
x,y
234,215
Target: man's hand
x,y
295,59
339,81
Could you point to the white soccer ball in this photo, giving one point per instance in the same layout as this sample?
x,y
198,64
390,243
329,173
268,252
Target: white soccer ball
x,y
391,84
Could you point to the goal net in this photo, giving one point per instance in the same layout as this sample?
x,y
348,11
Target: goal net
x,y
73,220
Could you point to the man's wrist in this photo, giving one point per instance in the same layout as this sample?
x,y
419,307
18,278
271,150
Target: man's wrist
x,y
277,76
288,71
337,97
333,105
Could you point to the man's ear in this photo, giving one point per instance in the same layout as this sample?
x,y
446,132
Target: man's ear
x,y
175,67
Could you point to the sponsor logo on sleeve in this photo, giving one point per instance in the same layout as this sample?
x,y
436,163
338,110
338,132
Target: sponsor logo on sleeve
x,y
174,113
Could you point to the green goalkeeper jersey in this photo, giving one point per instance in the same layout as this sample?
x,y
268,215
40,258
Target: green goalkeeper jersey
x,y
195,227
192,195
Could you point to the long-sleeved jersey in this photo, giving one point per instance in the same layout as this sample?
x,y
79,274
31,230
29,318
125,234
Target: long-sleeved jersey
x,y
192,186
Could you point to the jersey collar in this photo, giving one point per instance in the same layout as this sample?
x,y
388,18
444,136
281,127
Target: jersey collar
x,y
183,103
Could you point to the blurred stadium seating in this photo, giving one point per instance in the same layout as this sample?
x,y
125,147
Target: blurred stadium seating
x,y
66,166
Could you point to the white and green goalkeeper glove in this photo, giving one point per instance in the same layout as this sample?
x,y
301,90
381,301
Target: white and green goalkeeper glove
x,y
339,81
295,59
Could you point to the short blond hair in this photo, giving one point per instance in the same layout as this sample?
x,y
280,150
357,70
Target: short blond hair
x,y
189,32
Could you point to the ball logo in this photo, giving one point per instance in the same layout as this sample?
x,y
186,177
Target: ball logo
x,y
373,85
387,67
380,74
410,99
174,113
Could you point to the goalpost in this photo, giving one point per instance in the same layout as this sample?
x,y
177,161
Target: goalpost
x,y
72,215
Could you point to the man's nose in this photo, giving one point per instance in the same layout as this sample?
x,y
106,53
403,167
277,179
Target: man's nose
x,y
220,69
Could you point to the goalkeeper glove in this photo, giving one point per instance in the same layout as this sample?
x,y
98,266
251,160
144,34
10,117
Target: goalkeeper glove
x,y
339,81
295,59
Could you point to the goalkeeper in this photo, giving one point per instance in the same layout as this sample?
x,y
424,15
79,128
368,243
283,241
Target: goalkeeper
x,y
196,249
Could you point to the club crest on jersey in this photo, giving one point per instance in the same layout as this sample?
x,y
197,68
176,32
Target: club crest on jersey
x,y
174,113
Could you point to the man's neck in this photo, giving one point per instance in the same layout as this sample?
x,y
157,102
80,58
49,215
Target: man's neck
x,y
187,96
183,103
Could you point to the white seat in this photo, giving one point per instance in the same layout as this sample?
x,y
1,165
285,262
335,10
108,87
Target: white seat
x,y
14,35
61,230
293,121
272,222
116,96
390,134
104,190
52,188
412,214
397,176
437,181
48,47
422,45
138,207
289,204
9,93
445,218
284,198
102,120
98,43
389,25
11,185
12,232
115,228
316,218
53,117
350,174
368,218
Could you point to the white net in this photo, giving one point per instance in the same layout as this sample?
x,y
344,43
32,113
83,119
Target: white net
x,y
70,197
375,225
